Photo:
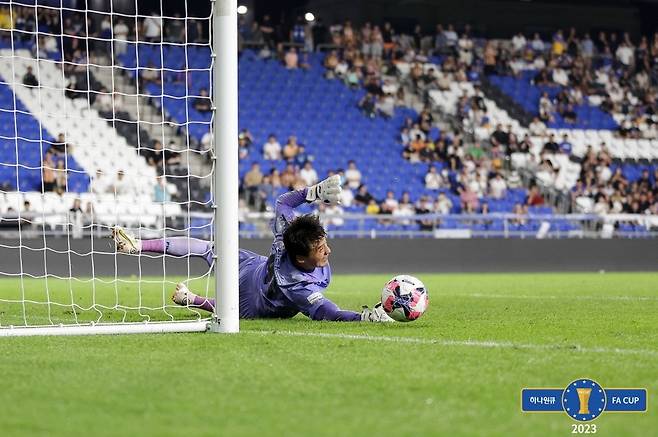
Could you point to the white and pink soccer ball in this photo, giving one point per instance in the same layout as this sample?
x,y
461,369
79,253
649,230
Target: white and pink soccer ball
x,y
405,298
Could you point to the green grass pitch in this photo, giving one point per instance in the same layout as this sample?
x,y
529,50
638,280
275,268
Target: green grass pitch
x,y
458,370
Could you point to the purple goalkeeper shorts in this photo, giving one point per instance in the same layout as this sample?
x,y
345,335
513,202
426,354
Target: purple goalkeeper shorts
x,y
253,268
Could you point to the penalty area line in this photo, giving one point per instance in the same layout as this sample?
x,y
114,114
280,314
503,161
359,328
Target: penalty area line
x,y
464,343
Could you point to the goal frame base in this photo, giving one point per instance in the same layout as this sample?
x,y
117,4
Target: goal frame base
x,y
107,329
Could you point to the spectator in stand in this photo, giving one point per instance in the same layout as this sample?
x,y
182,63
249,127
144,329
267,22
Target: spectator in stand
x,y
76,218
415,149
302,157
546,175
275,178
372,207
469,199
267,28
569,114
587,48
243,148
499,137
497,186
624,54
388,33
104,102
353,175
551,145
490,58
476,153
416,132
376,43
451,38
247,136
272,149
288,176
163,190
175,29
308,174
537,127
202,103
48,172
121,185
120,32
291,149
433,179
61,176
519,43
353,77
29,79
346,196
367,104
546,108
159,157
152,28
390,203
405,208
602,205
425,206
565,146
385,105
98,184
291,59
264,192
443,204
535,198
363,197
521,212
252,180
331,62
60,147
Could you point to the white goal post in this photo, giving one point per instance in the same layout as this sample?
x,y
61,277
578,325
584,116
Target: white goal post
x,y
58,142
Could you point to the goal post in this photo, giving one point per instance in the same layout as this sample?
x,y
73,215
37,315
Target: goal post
x,y
82,119
225,90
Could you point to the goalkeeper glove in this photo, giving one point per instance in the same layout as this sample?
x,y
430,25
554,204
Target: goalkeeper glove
x,y
377,314
327,191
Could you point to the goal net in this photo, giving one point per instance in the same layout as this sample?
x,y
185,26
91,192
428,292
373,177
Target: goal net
x,y
106,120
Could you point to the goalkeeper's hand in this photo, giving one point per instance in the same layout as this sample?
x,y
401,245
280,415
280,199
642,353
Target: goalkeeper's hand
x,y
377,314
328,191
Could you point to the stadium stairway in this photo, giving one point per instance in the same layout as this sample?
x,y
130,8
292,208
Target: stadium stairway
x,y
25,134
95,144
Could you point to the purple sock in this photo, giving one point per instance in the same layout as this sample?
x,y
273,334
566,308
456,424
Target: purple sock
x,y
204,303
177,246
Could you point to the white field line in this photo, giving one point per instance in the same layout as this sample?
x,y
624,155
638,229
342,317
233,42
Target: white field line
x,y
466,343
539,297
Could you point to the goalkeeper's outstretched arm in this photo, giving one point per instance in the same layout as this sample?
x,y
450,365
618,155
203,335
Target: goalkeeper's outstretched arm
x,y
330,311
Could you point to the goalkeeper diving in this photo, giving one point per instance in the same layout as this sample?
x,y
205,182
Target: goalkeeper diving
x,y
291,280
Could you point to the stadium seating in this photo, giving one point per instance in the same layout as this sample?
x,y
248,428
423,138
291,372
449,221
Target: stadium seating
x,y
25,135
323,114
22,145
527,95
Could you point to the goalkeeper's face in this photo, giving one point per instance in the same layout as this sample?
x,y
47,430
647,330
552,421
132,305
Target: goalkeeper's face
x,y
319,254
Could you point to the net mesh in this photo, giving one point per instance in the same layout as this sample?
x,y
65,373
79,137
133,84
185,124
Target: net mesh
x,y
105,120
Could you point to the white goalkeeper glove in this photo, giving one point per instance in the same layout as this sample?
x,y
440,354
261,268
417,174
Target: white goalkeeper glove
x,y
377,314
328,191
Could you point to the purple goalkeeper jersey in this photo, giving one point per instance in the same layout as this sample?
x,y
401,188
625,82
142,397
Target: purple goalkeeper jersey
x,y
275,287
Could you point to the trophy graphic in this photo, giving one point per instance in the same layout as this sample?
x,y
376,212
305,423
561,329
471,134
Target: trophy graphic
x,y
583,397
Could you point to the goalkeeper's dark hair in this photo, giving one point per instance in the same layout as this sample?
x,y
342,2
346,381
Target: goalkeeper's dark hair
x,y
302,233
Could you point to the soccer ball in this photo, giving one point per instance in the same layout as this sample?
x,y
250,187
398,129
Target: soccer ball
x,y
405,298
